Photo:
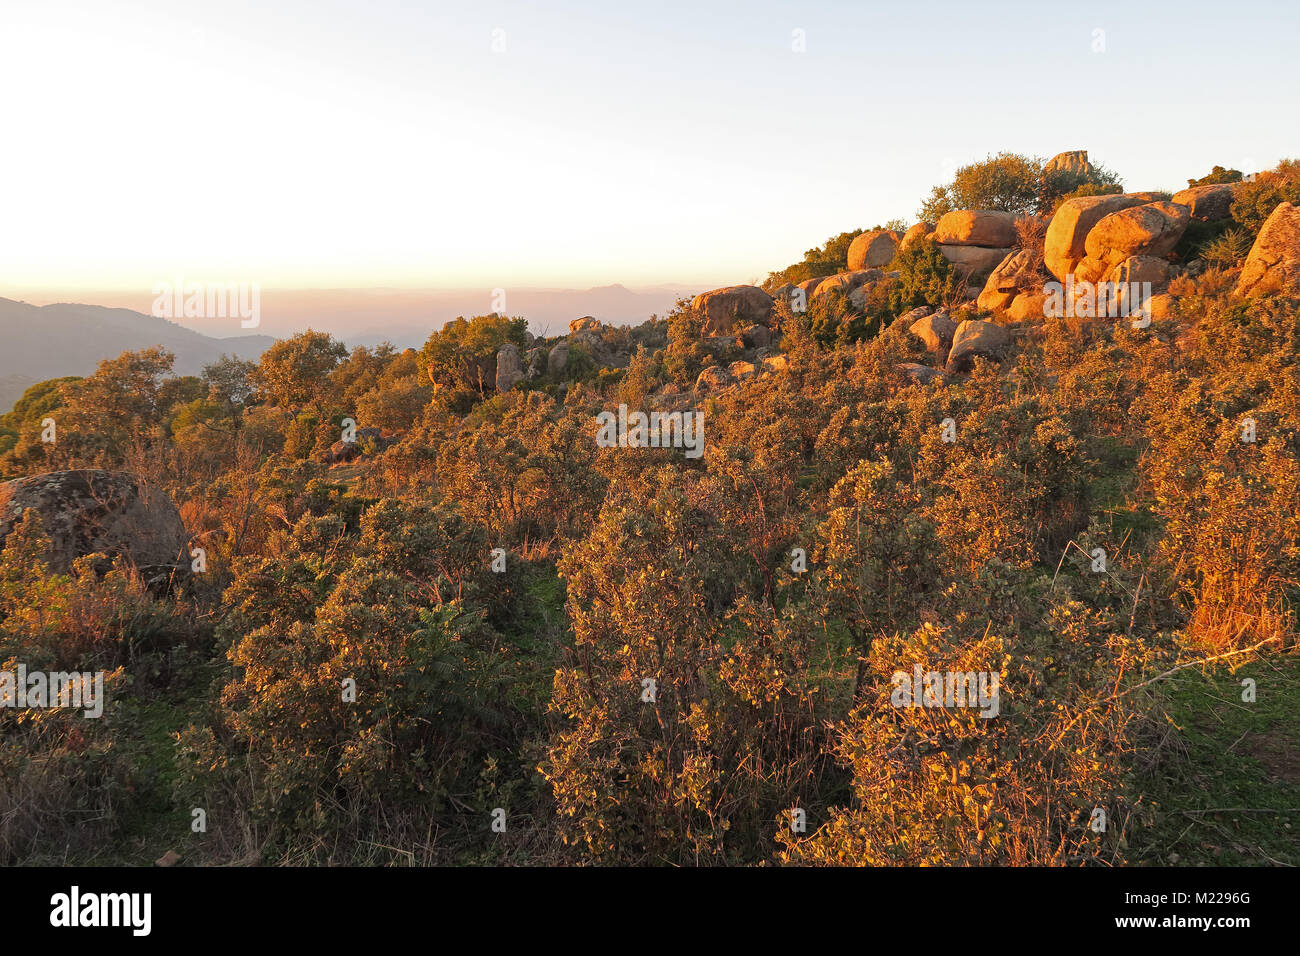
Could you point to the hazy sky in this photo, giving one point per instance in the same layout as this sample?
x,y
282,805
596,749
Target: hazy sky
x,y
357,143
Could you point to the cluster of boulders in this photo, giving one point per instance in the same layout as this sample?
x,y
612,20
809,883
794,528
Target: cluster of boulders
x,y
514,366
955,345
975,240
717,377
855,285
736,317
1121,238
1101,238
106,512
1128,238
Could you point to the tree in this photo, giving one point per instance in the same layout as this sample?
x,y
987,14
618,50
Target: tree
x,y
292,372
1012,183
1217,175
461,356
118,408
230,380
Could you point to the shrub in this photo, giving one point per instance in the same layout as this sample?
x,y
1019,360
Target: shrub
x,y
1254,202
1229,249
830,257
925,278
1217,175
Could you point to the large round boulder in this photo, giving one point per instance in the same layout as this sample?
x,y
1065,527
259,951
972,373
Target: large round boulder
x,y
976,339
917,232
743,305
872,249
976,227
1209,203
111,512
1150,230
1274,260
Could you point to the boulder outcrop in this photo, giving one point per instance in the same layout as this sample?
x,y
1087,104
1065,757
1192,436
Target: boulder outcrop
x,y
88,511
510,367
1063,245
1150,230
973,339
872,249
743,305
1073,162
1274,260
1208,203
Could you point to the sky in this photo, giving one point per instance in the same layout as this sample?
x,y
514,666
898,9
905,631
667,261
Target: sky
x,y
319,144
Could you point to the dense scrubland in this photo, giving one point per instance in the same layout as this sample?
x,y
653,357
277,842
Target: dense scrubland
x,y
522,690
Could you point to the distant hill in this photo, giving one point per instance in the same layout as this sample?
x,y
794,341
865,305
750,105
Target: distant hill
x,y
406,317
12,388
49,341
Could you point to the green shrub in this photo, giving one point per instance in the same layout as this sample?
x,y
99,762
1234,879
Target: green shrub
x,y
1254,202
1229,248
925,278
1217,175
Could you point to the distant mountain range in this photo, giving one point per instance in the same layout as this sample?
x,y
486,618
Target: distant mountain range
x,y
40,342
405,317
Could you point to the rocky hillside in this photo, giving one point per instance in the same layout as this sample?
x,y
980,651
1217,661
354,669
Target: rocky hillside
x,y
930,551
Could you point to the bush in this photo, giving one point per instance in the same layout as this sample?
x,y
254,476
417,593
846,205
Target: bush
x,y
1217,175
925,278
1254,202
830,257
1229,249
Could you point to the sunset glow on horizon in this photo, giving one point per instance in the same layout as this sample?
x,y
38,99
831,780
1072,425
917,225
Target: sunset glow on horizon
x,y
465,145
